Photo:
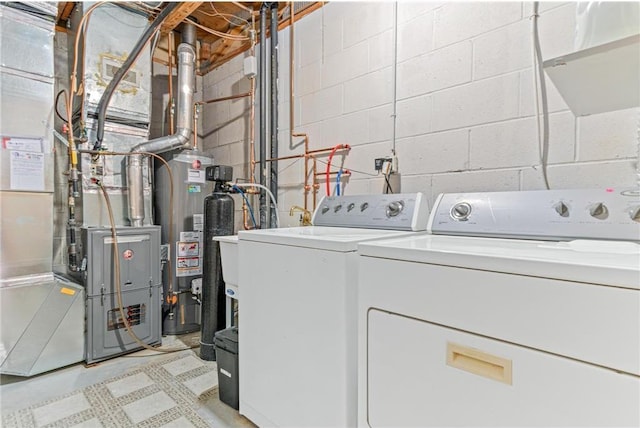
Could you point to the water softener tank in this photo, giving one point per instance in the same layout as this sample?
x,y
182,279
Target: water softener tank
x,y
218,221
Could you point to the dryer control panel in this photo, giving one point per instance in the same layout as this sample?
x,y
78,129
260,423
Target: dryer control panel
x,y
402,211
554,215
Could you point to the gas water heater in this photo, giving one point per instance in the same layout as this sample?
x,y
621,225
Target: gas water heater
x,y
182,276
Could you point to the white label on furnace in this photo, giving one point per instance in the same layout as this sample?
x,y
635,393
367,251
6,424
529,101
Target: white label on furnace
x,y
195,176
23,144
198,222
27,171
224,372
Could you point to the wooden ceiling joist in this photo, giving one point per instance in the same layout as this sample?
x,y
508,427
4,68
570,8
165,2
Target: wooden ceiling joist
x,y
178,15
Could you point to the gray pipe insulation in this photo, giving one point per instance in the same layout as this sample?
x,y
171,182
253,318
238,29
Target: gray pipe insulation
x,y
180,140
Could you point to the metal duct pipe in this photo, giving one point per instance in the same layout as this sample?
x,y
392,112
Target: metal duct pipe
x,y
124,69
180,140
189,34
263,112
273,179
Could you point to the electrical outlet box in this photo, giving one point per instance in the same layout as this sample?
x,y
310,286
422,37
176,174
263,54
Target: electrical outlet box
x,y
250,67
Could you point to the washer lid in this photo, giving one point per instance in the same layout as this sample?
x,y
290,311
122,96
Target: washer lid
x,y
615,263
341,239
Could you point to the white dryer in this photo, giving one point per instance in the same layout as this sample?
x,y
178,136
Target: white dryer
x,y
482,331
297,316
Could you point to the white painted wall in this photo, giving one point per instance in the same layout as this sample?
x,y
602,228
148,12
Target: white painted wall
x,y
465,101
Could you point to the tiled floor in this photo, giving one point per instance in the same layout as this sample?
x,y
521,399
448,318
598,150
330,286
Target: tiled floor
x,y
167,390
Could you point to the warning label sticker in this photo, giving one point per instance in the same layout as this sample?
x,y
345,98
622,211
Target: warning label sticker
x,y
189,254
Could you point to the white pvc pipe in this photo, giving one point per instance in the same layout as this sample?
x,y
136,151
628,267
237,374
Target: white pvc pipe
x,y
273,199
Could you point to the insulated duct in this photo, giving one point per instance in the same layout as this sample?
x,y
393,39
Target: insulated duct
x,y
180,140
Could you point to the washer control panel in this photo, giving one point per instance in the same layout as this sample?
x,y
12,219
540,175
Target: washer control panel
x,y
403,211
540,214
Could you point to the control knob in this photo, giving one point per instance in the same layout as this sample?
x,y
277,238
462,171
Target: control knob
x,y
599,211
394,208
325,209
350,207
337,208
635,214
562,209
461,211
364,206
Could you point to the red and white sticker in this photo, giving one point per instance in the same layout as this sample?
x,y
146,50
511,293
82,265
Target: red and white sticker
x,y
127,254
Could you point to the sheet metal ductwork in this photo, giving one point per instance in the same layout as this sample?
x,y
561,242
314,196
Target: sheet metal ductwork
x,y
184,120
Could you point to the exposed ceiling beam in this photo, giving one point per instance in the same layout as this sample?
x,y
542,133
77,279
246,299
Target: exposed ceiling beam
x,y
64,12
178,15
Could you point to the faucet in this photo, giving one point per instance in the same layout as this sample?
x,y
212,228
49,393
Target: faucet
x,y
306,215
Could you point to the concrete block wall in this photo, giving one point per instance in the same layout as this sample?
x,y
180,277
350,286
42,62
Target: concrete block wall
x,y
465,103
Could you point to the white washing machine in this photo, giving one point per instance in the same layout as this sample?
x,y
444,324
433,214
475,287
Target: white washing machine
x,y
482,331
297,317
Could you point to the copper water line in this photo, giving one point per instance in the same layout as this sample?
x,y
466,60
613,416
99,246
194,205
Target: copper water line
x,y
307,155
316,186
323,174
291,52
230,97
170,50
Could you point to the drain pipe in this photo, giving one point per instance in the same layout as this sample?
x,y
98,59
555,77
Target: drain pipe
x,y
262,87
273,180
180,140
124,69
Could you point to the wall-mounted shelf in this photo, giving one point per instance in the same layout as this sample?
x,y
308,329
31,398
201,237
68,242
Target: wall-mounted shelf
x,y
599,79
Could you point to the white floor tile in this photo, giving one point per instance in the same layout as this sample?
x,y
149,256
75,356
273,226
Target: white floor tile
x,y
183,365
60,409
149,406
129,384
204,383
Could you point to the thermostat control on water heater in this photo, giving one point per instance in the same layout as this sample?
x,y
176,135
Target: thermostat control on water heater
x,y
402,211
612,214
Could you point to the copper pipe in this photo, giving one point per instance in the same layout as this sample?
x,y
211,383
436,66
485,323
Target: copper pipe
x,y
329,149
316,186
245,216
291,52
170,65
230,97
311,152
285,158
322,174
306,167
